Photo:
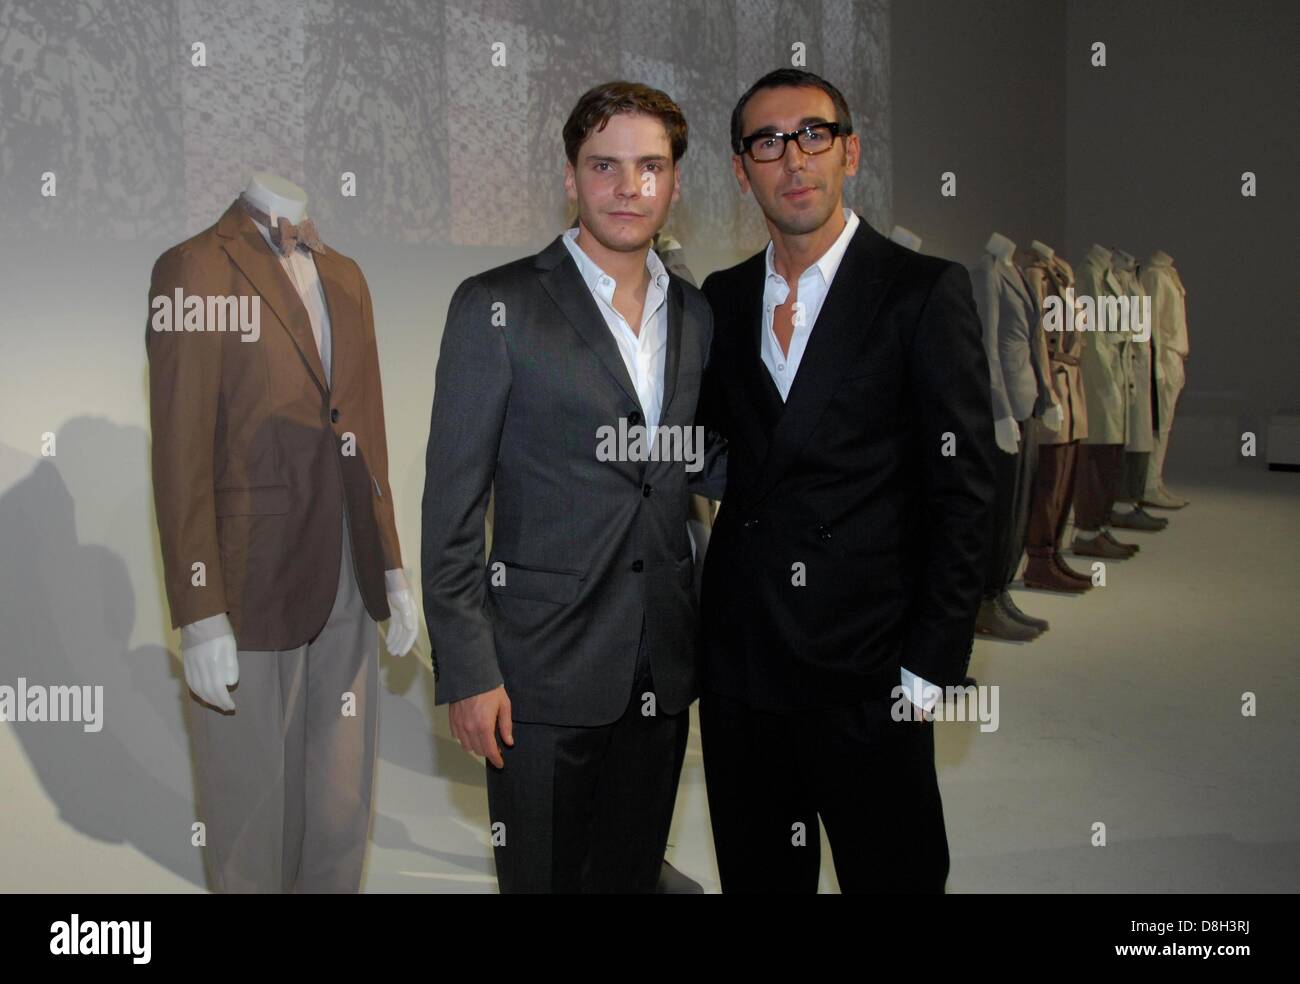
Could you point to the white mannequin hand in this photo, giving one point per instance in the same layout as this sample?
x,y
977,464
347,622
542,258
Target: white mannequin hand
x,y
1007,432
403,625
210,668
1053,417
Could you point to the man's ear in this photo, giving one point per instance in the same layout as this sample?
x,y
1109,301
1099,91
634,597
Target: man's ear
x,y
742,179
852,153
570,181
677,184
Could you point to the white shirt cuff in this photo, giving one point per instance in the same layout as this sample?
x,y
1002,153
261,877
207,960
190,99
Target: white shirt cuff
x,y
919,691
396,581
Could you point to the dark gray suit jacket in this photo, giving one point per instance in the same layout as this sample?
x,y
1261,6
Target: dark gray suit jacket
x,y
582,548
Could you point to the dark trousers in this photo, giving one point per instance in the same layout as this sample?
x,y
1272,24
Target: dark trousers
x,y
1097,485
587,809
1053,490
1133,481
1014,477
869,778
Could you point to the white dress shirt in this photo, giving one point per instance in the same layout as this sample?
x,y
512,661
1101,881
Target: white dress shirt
x,y
643,352
814,284
300,268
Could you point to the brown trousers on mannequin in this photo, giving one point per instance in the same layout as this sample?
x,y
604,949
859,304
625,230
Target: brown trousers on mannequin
x,y
1097,485
1052,494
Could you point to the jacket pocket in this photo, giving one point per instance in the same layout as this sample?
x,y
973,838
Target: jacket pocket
x,y
533,583
261,500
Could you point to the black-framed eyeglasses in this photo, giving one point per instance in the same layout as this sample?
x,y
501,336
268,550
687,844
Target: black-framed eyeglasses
x,y
815,138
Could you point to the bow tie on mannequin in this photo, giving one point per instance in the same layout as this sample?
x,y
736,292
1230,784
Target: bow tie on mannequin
x,y
286,236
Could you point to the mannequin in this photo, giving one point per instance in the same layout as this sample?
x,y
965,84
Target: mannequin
x,y
210,665
1140,439
1058,446
906,238
1169,342
279,544
1106,370
1021,391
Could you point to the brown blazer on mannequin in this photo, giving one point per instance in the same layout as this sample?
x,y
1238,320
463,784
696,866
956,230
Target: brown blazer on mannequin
x,y
249,470
1064,348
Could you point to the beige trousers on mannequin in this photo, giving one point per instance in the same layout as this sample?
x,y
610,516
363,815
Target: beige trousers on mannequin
x,y
1169,386
285,782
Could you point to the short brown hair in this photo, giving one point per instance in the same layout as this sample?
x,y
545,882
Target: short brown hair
x,y
598,105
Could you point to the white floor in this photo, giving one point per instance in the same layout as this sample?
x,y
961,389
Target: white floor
x,y
1126,713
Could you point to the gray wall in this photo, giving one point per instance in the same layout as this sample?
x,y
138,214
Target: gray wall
x,y
979,89
1143,154
1195,93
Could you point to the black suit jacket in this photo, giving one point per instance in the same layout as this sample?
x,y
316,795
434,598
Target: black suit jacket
x,y
582,548
875,480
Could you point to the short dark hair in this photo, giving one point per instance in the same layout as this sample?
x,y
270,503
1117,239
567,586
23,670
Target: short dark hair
x,y
790,78
597,106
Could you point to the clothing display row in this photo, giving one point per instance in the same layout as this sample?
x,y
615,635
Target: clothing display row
x,y
1082,410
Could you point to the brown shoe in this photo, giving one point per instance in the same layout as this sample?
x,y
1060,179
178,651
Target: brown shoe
x,y
1062,567
1132,548
1098,546
1042,574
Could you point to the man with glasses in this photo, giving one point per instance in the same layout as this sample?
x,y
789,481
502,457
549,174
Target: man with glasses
x,y
844,569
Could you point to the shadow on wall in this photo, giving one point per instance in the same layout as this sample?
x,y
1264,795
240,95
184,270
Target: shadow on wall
x,y
67,610
67,613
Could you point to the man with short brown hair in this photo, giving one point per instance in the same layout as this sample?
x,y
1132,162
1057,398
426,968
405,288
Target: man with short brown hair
x,y
569,662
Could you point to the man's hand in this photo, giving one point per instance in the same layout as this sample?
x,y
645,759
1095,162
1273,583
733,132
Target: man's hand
x,y
476,720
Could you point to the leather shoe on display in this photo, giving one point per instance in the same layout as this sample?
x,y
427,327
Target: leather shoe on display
x,y
1132,548
1098,546
1010,608
1063,568
1138,519
1042,574
993,621
1162,498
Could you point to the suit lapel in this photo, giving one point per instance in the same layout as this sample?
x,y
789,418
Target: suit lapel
x,y
846,315
256,261
672,355
757,389
344,305
1011,274
561,279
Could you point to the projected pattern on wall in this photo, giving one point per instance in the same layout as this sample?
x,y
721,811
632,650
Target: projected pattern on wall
x,y
447,147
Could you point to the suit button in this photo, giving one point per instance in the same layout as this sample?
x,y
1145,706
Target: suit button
x,y
334,415
638,566
750,523
646,489
634,417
